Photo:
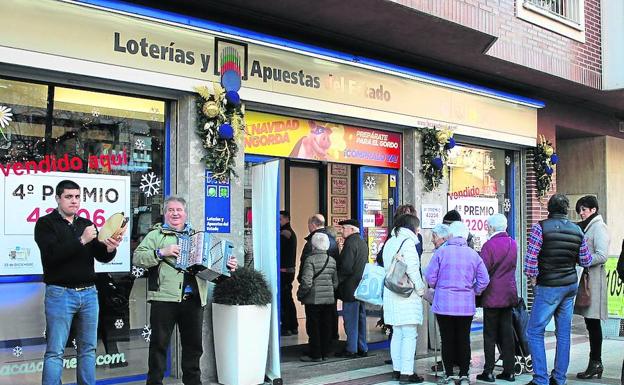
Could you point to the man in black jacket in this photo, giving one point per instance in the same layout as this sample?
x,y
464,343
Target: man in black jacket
x,y
69,245
351,262
288,253
555,246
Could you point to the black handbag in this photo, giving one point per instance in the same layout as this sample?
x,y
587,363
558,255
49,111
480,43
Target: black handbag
x,y
112,295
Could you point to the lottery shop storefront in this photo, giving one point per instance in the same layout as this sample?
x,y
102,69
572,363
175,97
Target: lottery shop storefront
x,y
340,170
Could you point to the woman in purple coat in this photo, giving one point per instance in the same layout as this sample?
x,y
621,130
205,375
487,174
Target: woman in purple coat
x,y
457,274
500,256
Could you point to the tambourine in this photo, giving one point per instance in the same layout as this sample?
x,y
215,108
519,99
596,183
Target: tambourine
x,y
114,227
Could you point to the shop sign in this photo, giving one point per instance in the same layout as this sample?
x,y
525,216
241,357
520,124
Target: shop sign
x,y
615,289
217,204
376,239
372,205
339,185
26,198
339,169
289,137
475,212
339,205
368,220
431,215
131,42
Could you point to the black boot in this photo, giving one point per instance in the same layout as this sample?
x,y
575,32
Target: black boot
x,y
594,368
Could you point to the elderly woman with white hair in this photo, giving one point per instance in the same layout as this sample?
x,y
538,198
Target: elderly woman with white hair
x,y
319,280
500,256
457,274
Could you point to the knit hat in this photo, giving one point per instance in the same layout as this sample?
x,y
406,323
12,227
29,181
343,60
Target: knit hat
x,y
451,216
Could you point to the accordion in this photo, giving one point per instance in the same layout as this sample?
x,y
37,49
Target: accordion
x,y
204,255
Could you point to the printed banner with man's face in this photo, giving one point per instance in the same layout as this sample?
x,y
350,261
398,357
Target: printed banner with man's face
x,y
284,136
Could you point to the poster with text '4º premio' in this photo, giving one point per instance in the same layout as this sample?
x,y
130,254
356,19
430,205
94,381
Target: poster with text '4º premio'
x,y
24,198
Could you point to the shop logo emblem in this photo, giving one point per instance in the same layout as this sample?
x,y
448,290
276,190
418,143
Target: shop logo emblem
x,y
230,55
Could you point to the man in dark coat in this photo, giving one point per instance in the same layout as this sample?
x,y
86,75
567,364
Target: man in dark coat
x,y
316,224
351,262
288,253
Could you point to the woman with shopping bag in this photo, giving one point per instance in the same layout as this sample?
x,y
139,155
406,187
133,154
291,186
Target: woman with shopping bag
x,y
404,311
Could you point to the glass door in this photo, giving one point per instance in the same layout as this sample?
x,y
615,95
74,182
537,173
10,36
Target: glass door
x,y
377,198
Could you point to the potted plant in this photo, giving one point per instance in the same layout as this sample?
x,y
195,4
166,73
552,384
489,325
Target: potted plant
x,y
241,322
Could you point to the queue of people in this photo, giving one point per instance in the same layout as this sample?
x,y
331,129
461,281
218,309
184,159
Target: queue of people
x,y
451,282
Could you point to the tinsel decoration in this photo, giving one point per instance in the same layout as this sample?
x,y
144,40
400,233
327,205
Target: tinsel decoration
x,y
544,165
221,126
436,146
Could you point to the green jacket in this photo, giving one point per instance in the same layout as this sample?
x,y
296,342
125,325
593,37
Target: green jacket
x,y
164,282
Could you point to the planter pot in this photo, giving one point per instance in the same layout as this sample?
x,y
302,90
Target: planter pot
x,y
241,341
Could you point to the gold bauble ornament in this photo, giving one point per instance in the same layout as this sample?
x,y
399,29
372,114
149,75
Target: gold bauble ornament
x,y
210,109
549,150
442,136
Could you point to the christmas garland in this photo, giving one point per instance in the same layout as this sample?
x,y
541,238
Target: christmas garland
x,y
544,165
436,145
221,126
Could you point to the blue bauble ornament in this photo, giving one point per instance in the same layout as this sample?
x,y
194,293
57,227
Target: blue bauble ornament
x,y
554,158
232,98
231,80
549,170
437,163
450,144
226,131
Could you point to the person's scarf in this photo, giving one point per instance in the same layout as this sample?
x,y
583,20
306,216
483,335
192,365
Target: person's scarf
x,y
583,224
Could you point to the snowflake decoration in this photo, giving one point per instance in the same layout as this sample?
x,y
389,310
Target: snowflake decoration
x,y
139,144
5,119
75,344
18,351
146,333
95,112
137,272
370,182
507,205
119,323
502,182
150,184
507,160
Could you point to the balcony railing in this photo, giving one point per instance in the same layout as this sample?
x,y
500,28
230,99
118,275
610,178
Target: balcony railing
x,y
567,9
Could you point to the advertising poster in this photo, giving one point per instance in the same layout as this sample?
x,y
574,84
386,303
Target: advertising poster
x,y
285,136
431,215
376,239
475,212
25,198
615,289
217,205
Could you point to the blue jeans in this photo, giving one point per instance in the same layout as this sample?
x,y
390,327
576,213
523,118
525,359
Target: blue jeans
x,y
62,305
549,301
354,317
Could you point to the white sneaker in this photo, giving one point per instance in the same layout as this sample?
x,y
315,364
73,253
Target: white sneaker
x,y
464,380
446,380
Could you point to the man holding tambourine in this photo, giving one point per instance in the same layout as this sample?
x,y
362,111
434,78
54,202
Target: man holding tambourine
x,y
68,248
177,296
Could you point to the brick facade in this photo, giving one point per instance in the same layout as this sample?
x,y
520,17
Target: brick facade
x,y
524,43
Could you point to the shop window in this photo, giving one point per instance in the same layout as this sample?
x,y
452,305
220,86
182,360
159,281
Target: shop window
x,y
108,137
478,187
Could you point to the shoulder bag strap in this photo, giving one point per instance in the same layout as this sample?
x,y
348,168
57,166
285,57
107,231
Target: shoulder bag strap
x,y
320,271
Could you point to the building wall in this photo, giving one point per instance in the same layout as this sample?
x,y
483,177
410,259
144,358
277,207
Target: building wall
x,y
615,185
524,43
